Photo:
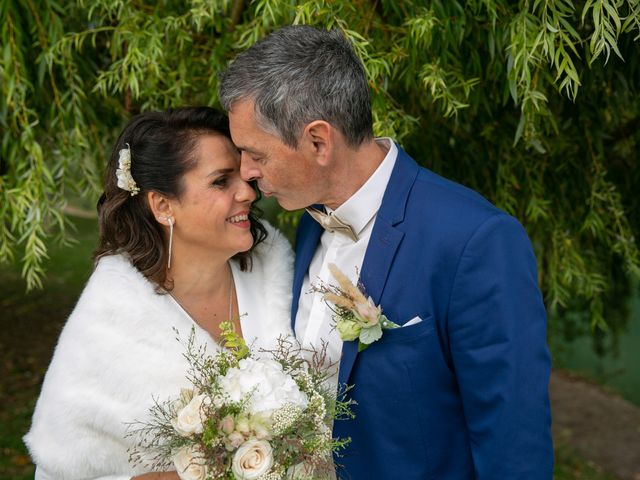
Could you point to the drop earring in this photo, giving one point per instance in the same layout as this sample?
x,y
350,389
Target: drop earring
x,y
170,220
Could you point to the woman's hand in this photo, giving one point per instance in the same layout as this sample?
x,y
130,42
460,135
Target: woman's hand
x,y
157,476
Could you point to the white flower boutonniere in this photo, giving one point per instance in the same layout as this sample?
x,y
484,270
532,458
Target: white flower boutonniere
x,y
357,317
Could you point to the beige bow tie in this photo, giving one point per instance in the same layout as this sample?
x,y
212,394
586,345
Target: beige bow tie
x,y
332,223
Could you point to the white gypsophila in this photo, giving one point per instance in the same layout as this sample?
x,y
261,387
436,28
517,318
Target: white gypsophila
x,y
190,418
265,383
318,406
189,464
253,459
305,380
270,476
284,418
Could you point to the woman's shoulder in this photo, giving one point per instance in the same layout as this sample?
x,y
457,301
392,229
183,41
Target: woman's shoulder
x,y
116,273
117,265
115,286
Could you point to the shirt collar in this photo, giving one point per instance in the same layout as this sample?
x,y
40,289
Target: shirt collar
x,y
363,205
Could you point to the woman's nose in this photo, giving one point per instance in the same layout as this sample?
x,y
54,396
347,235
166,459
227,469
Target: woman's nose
x,y
245,192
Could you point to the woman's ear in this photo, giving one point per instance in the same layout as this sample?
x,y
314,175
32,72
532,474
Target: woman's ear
x,y
160,207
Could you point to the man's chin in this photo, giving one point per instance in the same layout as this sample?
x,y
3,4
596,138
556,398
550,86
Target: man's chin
x,y
287,205
283,202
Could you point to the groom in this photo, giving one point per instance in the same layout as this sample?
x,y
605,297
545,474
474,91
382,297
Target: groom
x,y
459,391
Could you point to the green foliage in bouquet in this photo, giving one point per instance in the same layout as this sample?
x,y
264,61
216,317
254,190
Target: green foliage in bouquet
x,y
533,103
232,341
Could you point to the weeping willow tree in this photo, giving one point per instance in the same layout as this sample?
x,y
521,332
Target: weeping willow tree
x,y
533,103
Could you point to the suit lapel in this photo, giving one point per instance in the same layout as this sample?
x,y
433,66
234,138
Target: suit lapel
x,y
307,238
382,247
383,244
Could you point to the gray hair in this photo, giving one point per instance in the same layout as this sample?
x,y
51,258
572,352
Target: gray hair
x,y
299,74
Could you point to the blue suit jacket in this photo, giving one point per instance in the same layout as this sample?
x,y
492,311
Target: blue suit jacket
x,y
462,394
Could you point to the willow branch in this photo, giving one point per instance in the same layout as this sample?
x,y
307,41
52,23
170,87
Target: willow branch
x,y
236,13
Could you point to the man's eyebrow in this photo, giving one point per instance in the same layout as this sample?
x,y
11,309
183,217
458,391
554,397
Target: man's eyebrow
x,y
247,149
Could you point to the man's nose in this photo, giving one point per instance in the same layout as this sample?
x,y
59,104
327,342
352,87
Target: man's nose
x,y
249,168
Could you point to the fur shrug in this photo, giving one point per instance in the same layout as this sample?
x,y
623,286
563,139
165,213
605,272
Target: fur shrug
x,y
118,351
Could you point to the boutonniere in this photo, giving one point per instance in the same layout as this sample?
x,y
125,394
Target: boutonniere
x,y
357,317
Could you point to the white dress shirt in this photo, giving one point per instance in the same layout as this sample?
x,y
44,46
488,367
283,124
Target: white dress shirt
x,y
314,320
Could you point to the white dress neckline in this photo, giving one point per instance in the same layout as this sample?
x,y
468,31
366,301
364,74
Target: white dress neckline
x,y
250,321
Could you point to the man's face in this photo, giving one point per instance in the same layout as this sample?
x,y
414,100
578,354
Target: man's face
x,y
280,171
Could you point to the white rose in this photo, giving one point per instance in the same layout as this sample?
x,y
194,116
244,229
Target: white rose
x,y
189,464
190,418
267,384
253,459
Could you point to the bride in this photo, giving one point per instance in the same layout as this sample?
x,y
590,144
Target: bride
x,y
179,248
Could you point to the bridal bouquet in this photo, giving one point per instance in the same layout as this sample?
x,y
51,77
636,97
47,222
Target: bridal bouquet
x,y
246,417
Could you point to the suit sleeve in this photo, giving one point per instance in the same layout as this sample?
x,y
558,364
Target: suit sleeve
x,y
497,334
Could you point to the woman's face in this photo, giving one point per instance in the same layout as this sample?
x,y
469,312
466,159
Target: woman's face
x,y
211,215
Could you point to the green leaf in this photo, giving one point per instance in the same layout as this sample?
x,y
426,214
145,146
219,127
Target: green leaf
x,y
368,335
386,324
230,340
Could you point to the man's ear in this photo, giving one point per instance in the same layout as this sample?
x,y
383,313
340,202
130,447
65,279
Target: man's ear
x,y
318,139
160,207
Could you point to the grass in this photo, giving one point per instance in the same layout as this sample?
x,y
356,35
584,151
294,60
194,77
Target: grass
x,y
29,327
570,466
30,324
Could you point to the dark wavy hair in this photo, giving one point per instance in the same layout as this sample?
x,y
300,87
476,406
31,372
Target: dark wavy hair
x,y
163,148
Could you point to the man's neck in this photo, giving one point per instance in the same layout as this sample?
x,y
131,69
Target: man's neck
x,y
353,170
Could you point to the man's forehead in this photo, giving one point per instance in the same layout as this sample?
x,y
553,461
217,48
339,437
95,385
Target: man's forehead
x,y
248,133
244,108
243,139
242,121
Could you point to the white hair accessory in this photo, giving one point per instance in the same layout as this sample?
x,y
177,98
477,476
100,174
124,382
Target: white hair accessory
x,y
123,173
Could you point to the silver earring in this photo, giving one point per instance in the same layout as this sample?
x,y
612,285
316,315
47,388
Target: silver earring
x,y
170,220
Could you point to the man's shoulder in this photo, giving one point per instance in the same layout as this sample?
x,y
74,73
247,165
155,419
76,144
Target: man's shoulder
x,y
429,177
433,194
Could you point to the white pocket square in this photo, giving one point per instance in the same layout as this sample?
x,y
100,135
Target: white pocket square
x,y
413,321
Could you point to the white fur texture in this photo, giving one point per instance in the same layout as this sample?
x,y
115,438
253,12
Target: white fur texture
x,y
118,351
